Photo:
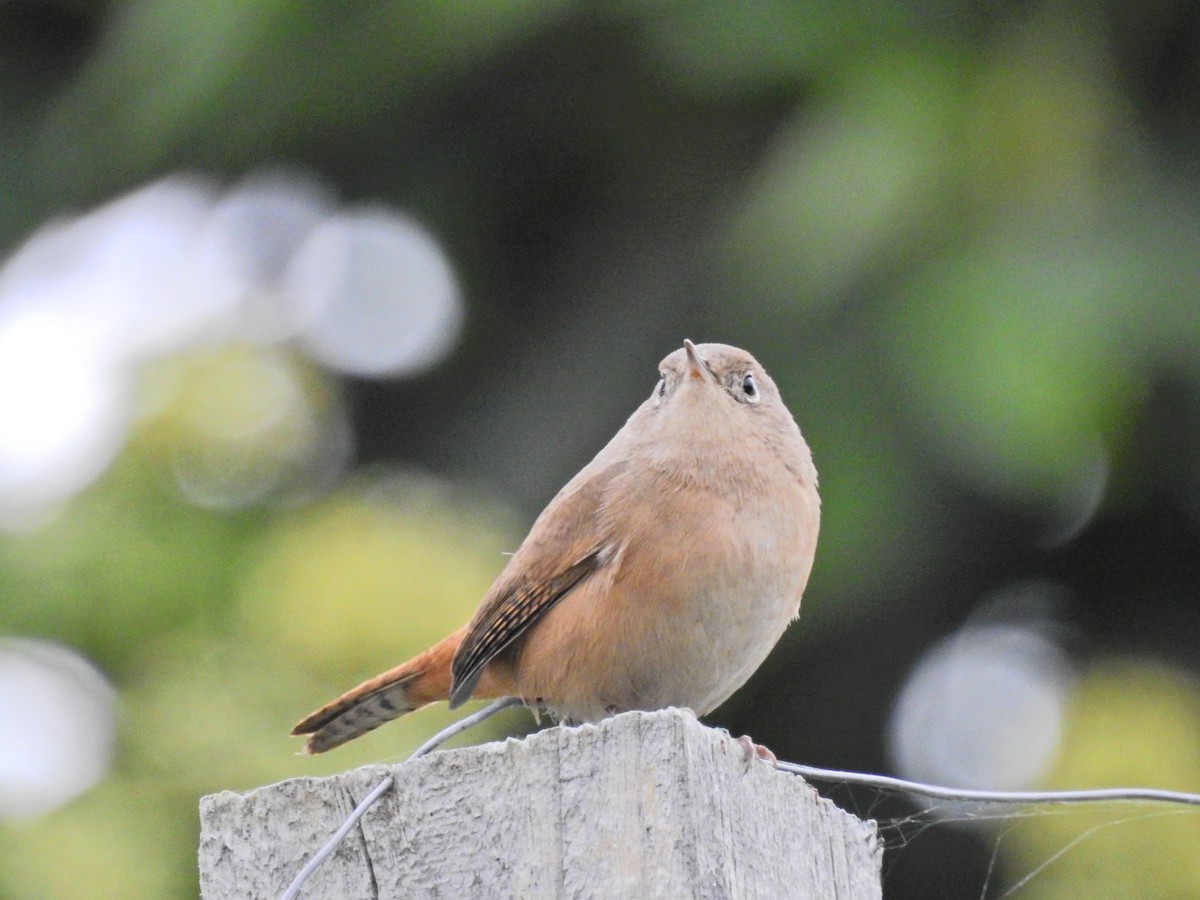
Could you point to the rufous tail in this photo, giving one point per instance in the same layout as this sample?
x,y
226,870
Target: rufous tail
x,y
422,680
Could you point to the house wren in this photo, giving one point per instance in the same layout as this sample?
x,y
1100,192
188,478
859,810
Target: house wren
x,y
661,575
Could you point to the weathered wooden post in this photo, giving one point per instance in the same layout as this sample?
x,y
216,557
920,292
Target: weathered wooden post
x,y
642,805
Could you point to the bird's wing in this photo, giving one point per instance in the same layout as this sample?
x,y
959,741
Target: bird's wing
x,y
566,545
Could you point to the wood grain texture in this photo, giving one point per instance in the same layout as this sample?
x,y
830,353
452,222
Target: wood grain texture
x,y
641,805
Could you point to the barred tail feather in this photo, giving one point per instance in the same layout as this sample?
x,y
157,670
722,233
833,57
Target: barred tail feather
x,y
422,680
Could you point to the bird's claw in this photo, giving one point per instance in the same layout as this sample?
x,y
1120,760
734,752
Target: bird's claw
x,y
754,751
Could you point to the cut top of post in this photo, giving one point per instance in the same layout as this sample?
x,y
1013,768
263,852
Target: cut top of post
x,y
642,804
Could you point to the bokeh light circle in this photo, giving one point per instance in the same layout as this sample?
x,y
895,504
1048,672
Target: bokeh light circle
x,y
982,709
56,726
388,299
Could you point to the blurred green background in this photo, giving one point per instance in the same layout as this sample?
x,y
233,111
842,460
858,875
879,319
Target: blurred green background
x,y
309,307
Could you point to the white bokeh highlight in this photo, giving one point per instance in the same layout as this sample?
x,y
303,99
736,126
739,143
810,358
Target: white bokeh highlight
x,y
983,709
64,412
89,303
248,242
57,726
125,274
388,299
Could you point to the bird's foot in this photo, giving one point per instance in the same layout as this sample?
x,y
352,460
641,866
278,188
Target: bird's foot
x,y
756,751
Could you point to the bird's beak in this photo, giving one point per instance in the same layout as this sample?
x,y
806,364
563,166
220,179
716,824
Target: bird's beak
x,y
697,367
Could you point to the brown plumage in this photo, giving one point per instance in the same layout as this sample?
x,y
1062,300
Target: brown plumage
x,y
661,575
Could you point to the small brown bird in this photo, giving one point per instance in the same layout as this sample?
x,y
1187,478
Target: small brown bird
x,y
661,575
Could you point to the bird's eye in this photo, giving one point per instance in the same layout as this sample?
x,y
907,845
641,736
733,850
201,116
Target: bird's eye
x,y
662,387
750,388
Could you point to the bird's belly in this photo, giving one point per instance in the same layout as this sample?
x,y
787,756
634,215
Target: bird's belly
x,y
683,623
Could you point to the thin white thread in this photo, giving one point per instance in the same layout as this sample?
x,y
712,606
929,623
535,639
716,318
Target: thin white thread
x,y
938,792
1075,842
326,851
